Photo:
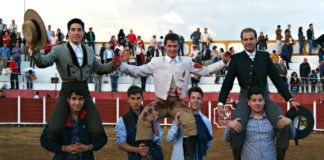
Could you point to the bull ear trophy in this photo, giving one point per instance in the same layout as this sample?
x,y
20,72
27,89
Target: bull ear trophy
x,y
303,120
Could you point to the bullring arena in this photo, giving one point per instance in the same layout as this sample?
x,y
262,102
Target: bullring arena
x,y
19,135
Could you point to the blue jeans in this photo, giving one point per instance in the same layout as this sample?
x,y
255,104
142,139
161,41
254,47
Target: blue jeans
x,y
197,44
114,83
29,82
143,82
31,62
310,43
92,44
218,75
204,43
301,47
181,50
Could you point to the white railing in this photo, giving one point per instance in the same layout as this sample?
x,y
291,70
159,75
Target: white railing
x,y
211,115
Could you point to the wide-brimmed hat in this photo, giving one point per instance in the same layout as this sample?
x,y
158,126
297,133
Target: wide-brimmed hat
x,y
34,29
303,121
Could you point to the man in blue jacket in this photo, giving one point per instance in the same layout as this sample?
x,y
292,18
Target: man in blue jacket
x,y
75,142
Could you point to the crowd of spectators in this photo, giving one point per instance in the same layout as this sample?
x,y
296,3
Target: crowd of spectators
x,y
202,52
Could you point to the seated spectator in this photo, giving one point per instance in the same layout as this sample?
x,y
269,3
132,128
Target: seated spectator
x,y
195,79
108,54
48,96
74,142
231,49
275,57
36,95
319,84
321,54
132,57
294,83
313,81
2,94
194,52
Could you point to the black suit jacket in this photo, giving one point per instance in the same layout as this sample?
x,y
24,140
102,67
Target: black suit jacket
x,y
242,67
207,55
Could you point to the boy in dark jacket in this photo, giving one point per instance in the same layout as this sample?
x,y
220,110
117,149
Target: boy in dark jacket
x,y
75,142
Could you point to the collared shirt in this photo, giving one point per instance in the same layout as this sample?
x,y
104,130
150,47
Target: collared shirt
x,y
78,52
194,54
108,54
205,37
173,87
251,55
121,132
259,142
17,52
13,28
5,52
175,134
49,34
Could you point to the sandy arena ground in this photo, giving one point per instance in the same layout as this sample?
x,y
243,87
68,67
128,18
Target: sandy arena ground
x,y
22,143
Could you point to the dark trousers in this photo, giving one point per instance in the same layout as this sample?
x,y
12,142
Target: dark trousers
x,y
92,44
304,82
180,50
29,82
272,110
218,76
14,83
31,62
143,82
61,110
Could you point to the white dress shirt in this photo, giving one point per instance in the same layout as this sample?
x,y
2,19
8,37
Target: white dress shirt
x,y
78,52
251,55
162,71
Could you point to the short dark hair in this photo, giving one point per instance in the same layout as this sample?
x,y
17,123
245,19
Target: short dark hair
x,y
75,20
195,89
248,30
311,24
278,26
214,47
77,91
255,91
172,37
132,90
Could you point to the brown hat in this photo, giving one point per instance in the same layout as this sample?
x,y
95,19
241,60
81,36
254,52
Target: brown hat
x,y
34,29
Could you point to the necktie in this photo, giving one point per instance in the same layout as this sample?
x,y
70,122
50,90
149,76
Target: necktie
x,y
173,61
252,57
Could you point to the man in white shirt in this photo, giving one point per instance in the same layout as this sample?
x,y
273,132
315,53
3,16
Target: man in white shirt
x,y
205,38
171,79
194,52
205,135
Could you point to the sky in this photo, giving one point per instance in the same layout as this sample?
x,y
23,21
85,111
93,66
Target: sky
x,y
224,18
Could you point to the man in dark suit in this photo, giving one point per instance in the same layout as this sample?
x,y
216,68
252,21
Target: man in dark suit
x,y
206,55
251,68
